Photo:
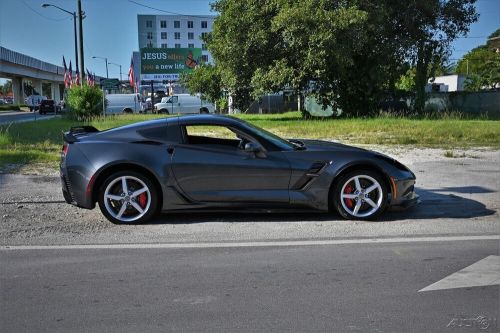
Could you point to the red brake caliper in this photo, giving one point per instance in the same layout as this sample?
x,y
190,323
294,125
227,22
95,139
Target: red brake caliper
x,y
348,190
142,200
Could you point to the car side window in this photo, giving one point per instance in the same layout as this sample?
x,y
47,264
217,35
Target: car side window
x,y
173,99
214,136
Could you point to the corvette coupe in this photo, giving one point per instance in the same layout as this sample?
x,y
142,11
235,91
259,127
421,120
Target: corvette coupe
x,y
213,162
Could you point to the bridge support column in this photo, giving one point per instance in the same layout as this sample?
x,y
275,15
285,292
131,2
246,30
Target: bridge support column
x,y
17,89
37,85
56,95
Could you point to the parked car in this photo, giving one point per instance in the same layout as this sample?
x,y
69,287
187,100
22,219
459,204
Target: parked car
x,y
48,105
124,103
182,104
209,161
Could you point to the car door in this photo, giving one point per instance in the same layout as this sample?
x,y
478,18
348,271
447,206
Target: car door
x,y
215,168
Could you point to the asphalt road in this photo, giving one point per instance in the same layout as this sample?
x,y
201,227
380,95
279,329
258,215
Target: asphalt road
x,y
19,117
324,288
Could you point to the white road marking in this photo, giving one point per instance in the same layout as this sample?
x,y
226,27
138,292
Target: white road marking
x,y
485,272
250,244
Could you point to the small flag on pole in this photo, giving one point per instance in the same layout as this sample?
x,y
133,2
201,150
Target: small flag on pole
x,y
131,76
66,82
77,78
70,75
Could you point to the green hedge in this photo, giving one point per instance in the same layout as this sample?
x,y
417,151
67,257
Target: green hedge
x,y
11,107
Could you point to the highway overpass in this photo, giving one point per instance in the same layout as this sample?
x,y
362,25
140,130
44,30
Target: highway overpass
x,y
26,71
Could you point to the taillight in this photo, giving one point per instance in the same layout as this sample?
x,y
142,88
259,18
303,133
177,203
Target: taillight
x,y
64,150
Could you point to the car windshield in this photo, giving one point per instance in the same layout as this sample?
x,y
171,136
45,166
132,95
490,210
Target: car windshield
x,y
276,140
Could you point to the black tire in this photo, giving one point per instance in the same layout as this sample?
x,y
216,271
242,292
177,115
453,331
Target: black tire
x,y
345,185
135,181
165,111
204,111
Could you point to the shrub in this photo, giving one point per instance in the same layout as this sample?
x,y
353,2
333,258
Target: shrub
x,y
85,102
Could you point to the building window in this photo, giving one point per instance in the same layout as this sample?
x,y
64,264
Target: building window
x,y
164,45
149,24
204,24
177,24
204,58
204,35
191,46
204,47
190,35
150,44
177,46
163,24
190,24
177,35
163,35
150,35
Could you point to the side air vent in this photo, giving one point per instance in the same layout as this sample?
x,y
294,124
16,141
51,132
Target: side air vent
x,y
314,171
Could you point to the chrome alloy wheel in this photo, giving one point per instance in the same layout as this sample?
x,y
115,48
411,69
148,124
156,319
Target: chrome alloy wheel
x,y
361,196
127,198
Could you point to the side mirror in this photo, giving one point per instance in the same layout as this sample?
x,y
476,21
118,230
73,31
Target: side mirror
x,y
253,147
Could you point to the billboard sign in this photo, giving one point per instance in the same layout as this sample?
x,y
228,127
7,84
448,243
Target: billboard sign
x,y
168,64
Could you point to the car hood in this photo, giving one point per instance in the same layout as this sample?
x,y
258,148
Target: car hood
x,y
319,145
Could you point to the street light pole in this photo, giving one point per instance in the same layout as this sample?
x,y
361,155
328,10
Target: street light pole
x,y
106,60
80,23
112,63
45,5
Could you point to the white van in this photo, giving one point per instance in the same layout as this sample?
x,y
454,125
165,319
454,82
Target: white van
x,y
183,103
124,103
33,101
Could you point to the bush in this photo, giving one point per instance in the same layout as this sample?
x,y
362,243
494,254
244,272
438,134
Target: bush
x,y
85,102
9,107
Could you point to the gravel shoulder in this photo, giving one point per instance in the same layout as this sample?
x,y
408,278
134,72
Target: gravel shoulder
x,y
459,197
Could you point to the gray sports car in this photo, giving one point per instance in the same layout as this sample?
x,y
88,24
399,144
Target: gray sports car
x,y
219,162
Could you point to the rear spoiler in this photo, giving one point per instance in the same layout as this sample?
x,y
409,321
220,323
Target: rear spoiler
x,y
75,132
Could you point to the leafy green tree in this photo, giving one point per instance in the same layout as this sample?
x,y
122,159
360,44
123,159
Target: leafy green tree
x,y
6,87
85,102
428,28
206,80
264,46
482,66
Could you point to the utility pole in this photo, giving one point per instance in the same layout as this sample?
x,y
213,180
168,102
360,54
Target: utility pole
x,y
80,25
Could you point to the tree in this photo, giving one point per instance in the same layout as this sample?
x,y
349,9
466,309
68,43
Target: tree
x,y
206,80
6,87
428,28
264,46
482,66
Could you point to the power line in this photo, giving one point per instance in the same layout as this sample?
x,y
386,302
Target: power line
x,y
168,12
40,14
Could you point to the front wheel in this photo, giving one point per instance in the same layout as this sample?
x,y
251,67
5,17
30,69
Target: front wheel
x,y
360,195
128,197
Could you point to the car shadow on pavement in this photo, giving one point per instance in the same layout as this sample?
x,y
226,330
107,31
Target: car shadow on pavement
x,y
443,203
435,203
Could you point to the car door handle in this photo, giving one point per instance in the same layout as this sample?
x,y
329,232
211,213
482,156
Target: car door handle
x,y
170,150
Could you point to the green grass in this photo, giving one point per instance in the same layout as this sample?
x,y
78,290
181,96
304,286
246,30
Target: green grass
x,y
40,142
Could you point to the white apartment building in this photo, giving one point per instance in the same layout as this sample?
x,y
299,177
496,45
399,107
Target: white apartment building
x,y
174,31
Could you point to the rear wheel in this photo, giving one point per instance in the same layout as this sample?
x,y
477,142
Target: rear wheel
x,y
165,111
128,197
204,111
360,195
